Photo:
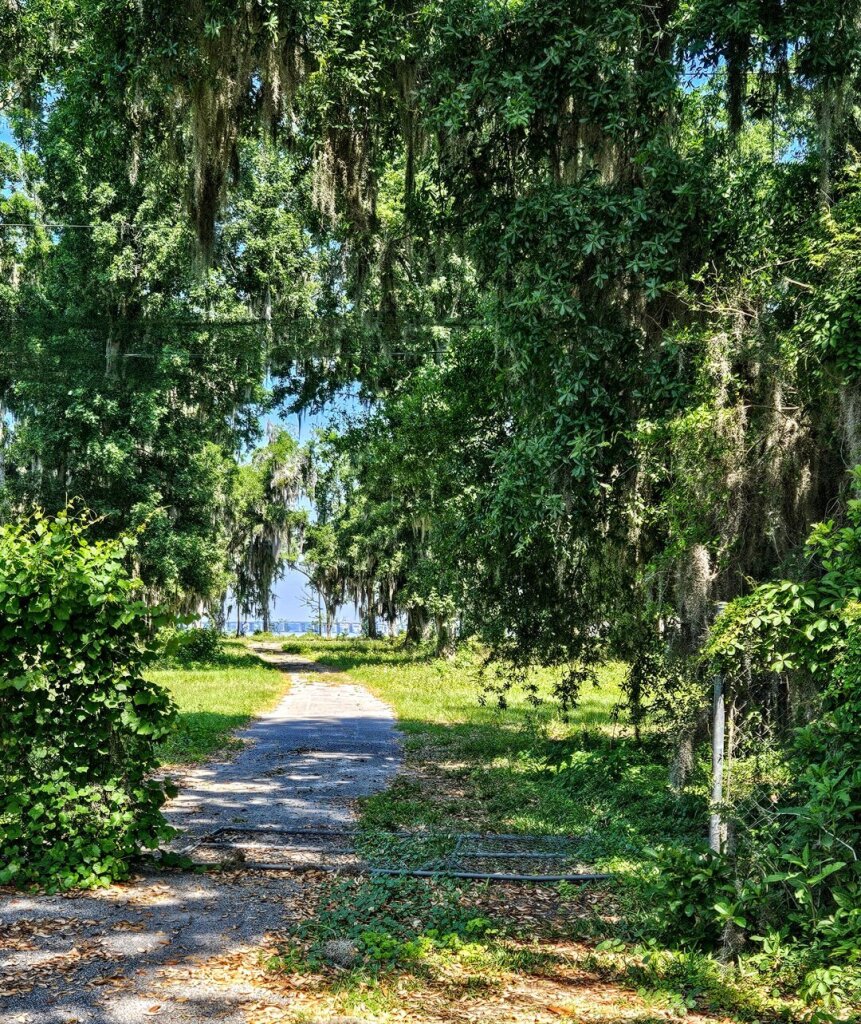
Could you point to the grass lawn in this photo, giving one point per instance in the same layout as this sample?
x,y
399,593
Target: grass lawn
x,y
215,699
522,768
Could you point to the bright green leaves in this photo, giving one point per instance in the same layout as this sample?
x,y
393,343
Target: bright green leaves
x,y
797,624
829,269
78,722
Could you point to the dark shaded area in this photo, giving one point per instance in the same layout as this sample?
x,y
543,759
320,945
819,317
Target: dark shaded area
x,y
100,958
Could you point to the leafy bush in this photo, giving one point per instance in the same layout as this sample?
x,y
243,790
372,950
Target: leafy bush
x,y
199,645
691,896
813,870
793,877
78,721
798,625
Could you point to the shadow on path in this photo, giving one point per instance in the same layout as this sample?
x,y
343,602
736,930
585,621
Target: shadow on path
x,y
137,952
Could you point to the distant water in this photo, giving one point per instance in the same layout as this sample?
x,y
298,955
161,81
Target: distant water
x,y
288,627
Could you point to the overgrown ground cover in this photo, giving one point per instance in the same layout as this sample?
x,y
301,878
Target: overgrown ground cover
x,y
214,698
436,950
520,768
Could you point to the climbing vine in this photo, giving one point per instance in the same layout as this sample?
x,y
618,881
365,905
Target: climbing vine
x,y
78,719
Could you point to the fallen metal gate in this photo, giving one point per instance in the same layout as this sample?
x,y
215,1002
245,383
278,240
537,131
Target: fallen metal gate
x,y
476,855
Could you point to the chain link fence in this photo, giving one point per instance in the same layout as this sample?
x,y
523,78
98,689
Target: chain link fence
x,y
760,716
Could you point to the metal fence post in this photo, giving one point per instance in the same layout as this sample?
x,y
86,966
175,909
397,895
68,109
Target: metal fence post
x,y
718,740
716,823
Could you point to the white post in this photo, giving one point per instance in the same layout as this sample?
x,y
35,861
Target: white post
x,y
718,740
716,824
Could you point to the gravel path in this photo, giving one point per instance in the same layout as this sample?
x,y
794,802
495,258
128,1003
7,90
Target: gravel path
x,y
176,947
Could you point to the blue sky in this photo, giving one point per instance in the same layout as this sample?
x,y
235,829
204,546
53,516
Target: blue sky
x,y
291,593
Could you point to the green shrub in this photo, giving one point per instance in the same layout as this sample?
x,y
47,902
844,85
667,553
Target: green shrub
x,y
814,869
78,721
199,645
793,878
690,894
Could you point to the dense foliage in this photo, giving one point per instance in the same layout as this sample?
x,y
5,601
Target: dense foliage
x,y
594,271
79,722
795,871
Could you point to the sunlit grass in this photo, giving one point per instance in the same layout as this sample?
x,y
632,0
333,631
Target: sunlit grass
x,y
214,700
519,768
433,694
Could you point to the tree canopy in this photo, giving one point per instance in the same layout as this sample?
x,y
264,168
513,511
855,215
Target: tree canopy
x,y
592,271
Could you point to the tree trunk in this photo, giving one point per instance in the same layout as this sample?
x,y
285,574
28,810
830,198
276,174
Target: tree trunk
x,y
416,621
112,355
266,618
443,636
219,612
635,700
372,615
690,735
683,763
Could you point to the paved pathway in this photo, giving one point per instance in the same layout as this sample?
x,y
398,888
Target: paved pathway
x,y
151,949
323,746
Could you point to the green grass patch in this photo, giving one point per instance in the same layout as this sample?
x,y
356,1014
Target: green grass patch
x,y
215,699
372,924
524,767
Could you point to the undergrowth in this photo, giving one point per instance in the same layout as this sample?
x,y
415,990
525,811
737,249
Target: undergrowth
x,y
371,925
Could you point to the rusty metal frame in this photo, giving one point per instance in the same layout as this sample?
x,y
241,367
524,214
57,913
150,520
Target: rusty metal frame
x,y
446,869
